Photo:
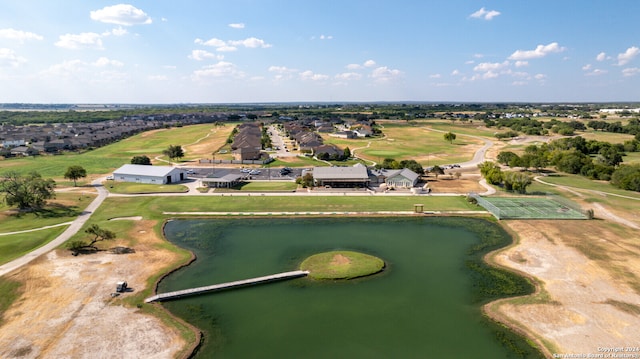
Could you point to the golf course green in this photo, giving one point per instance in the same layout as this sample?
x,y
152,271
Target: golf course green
x,y
341,265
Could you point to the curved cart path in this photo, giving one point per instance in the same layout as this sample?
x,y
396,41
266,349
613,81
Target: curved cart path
x,y
73,228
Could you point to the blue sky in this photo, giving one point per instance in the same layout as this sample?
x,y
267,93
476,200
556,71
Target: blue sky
x,y
187,51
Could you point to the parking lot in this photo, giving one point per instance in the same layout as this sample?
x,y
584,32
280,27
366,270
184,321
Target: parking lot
x,y
248,173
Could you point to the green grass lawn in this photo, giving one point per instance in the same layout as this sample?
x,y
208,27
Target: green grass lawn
x,y
16,245
266,186
138,188
105,159
582,182
65,208
10,291
404,141
341,265
631,158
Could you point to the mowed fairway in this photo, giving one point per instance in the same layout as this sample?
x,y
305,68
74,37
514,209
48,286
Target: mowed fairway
x,y
411,141
105,159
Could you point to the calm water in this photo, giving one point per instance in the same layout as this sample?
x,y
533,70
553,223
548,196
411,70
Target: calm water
x,y
419,307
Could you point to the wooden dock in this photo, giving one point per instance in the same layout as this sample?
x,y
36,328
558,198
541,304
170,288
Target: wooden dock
x,y
228,285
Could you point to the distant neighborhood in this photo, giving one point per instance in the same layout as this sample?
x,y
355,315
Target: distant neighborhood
x,y
37,139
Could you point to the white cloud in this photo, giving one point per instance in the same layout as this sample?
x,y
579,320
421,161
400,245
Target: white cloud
x,y
201,55
522,63
219,70
237,25
385,74
65,69
628,55
89,40
19,35
485,76
232,45
118,31
540,77
8,58
211,42
121,14
281,69
596,72
632,71
485,14
435,76
369,63
540,51
157,78
491,66
354,67
601,56
349,76
456,73
326,37
103,61
311,76
250,42
586,67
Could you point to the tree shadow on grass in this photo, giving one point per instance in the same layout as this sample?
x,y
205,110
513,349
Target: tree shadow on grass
x,y
55,210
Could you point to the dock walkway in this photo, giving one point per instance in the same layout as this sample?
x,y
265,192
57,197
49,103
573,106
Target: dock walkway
x,y
228,285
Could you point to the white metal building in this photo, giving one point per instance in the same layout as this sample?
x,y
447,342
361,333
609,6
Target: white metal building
x,y
149,174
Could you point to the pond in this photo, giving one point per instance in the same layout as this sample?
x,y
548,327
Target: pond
x,y
425,304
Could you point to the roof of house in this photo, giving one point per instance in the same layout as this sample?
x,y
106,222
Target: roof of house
x,y
344,173
144,170
229,178
405,172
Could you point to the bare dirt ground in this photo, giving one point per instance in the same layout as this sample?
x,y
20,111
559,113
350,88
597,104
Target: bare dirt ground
x,y
339,259
590,295
67,310
449,184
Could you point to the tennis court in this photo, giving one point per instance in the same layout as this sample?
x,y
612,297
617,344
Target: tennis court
x,y
531,207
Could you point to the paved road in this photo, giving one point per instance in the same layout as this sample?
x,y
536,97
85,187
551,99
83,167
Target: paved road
x,y
68,233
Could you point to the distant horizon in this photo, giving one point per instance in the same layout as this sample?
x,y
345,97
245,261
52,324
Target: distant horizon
x,y
285,51
336,103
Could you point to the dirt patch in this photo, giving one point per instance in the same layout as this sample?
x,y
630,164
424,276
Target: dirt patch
x,y
463,185
340,260
587,275
67,310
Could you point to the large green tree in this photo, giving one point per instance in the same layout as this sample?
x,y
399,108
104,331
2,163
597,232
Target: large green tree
x,y
517,181
74,173
141,160
449,136
174,152
627,177
29,191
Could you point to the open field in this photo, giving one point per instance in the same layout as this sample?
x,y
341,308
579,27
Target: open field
x,y
605,136
154,206
15,245
105,159
266,186
587,281
64,208
404,141
129,188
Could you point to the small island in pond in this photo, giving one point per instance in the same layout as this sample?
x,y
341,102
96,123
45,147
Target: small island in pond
x,y
341,265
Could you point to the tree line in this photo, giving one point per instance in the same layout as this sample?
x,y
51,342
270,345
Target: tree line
x,y
593,159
